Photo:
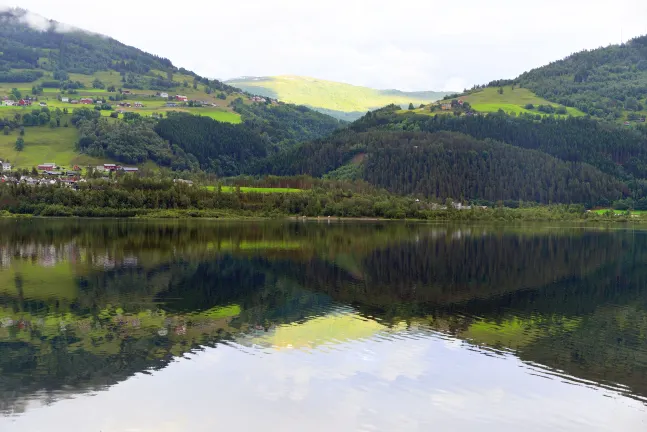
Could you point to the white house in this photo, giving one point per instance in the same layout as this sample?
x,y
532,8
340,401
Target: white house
x,y
8,103
6,166
65,99
164,95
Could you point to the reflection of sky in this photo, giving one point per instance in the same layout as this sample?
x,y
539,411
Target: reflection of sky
x,y
384,382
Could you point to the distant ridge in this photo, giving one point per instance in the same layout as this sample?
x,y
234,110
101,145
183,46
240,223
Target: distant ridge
x,y
341,100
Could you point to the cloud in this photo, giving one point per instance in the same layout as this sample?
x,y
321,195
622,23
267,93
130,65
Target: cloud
x,y
40,23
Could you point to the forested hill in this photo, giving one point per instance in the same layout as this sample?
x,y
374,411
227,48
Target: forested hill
x,y
609,82
596,159
450,165
29,52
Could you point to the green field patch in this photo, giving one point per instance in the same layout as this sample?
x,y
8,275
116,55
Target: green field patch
x,y
43,144
511,101
245,189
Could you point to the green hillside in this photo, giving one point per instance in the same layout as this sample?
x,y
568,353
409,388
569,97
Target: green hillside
x,y
130,91
608,82
512,100
344,101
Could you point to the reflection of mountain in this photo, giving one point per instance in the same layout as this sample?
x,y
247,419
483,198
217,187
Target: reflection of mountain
x,y
569,299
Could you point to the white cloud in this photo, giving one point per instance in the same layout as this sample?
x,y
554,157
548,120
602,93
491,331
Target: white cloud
x,y
414,45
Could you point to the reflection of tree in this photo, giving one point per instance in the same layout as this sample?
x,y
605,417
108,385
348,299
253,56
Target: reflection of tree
x,y
570,300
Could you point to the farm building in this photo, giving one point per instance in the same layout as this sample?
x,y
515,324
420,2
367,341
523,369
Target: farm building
x,y
86,101
65,99
43,104
24,102
125,92
8,102
139,105
129,169
46,167
171,104
164,95
110,167
181,98
74,101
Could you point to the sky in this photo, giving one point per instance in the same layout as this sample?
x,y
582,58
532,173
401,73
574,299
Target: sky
x,y
412,45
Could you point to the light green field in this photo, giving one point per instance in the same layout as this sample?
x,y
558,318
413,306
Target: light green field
x,y
619,212
256,189
43,145
511,101
329,94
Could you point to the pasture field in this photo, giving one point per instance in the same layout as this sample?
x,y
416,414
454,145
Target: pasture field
x,y
43,145
619,212
511,101
229,189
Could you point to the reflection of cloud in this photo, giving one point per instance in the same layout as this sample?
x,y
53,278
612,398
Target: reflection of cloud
x,y
410,381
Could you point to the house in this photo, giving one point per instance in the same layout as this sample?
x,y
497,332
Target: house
x,y
164,95
181,98
86,101
186,182
46,167
258,99
8,102
446,106
43,104
171,104
6,166
24,102
110,167
74,101
139,105
127,92
72,173
65,99
53,173
627,123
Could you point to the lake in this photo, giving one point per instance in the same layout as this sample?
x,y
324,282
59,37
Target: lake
x,y
146,326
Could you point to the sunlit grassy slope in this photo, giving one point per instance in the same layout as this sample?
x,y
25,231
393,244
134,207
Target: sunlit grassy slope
x,y
330,95
43,145
511,101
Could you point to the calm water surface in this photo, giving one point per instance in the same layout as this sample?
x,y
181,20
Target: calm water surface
x,y
178,326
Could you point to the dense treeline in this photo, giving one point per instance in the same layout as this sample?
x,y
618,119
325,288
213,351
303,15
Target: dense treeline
x,y
618,151
21,76
449,165
132,142
603,82
286,124
222,148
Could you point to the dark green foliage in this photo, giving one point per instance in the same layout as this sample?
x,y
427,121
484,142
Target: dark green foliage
x,y
222,148
449,165
286,124
129,142
20,144
600,82
22,76
613,149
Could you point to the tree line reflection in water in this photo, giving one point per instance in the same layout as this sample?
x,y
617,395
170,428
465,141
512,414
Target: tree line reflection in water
x,y
86,304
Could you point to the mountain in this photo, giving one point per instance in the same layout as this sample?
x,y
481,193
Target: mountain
x,y
480,157
54,64
344,101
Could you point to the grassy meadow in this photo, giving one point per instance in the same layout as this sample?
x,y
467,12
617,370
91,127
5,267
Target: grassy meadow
x,y
43,145
511,101
245,189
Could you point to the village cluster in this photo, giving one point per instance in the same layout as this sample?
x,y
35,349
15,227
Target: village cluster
x,y
50,173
